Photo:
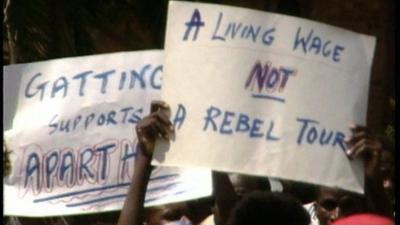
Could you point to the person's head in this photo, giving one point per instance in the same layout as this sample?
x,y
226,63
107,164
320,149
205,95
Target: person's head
x,y
332,204
163,214
305,192
199,209
244,184
153,215
262,208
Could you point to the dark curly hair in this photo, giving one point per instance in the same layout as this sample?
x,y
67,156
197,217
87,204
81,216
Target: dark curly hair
x,y
262,208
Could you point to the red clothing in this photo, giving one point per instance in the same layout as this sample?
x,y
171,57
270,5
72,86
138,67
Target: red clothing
x,y
364,219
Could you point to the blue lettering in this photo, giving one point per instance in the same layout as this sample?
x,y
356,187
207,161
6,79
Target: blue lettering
x,y
195,22
214,36
104,151
129,152
84,170
226,122
53,125
253,33
89,119
312,135
255,128
40,88
139,76
180,116
326,52
104,78
129,155
268,36
156,73
324,137
101,120
51,166
135,118
315,44
244,31
303,128
76,121
57,87
110,117
122,81
236,30
270,136
125,111
301,40
336,53
339,139
32,171
212,113
243,124
233,28
66,168
82,77
325,140
64,126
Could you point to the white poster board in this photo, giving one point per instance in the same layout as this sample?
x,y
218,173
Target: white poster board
x,y
73,136
264,93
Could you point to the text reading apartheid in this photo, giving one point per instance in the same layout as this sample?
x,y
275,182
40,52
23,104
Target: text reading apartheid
x,y
69,167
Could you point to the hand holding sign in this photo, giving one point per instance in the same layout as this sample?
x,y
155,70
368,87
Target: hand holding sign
x,y
362,144
148,130
157,124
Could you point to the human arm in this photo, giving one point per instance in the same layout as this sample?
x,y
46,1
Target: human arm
x,y
225,197
155,125
363,144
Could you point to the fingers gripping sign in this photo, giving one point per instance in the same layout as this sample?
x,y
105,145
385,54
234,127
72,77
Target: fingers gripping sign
x,y
153,126
365,145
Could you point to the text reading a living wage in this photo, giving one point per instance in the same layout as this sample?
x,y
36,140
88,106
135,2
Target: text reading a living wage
x,y
306,40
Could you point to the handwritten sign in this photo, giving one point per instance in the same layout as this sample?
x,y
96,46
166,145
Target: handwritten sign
x,y
73,136
264,93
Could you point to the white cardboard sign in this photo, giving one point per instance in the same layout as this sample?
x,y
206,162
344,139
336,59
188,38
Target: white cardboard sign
x,y
73,136
264,93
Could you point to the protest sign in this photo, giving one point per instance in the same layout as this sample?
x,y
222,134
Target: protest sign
x,y
73,138
265,94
